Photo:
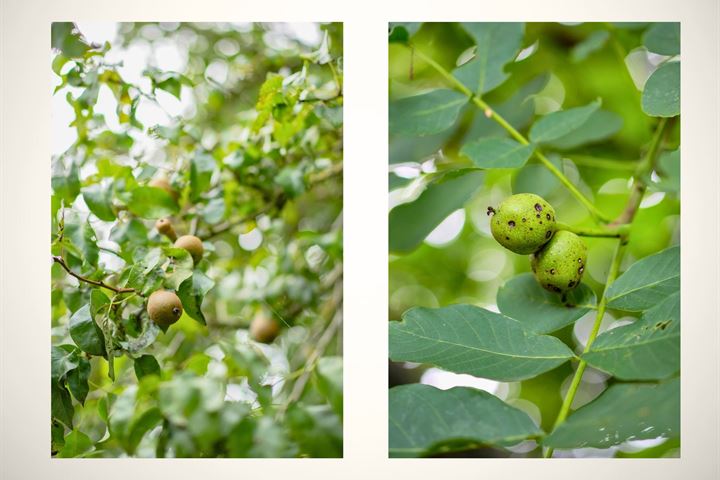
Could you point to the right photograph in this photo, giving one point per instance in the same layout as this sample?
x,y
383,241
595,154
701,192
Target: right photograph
x,y
534,240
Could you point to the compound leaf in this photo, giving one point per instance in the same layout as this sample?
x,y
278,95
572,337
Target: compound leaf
x,y
556,125
469,339
497,153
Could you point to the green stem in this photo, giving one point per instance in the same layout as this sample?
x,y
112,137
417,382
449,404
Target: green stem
x,y
625,219
492,114
602,232
602,306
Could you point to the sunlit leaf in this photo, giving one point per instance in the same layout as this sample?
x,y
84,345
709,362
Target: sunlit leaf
x,y
151,202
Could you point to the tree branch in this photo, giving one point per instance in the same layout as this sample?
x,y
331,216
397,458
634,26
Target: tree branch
x,y
98,283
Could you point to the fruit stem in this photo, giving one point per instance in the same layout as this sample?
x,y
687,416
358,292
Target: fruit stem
x,y
492,114
602,305
603,232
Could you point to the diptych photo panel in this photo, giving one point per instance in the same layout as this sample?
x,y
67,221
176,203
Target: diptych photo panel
x,y
196,240
312,240
534,230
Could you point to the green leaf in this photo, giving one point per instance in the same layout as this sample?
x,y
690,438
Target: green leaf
x,y
65,181
422,419
202,167
469,339
411,222
85,332
663,38
648,349
181,267
540,311
270,95
99,201
497,153
316,429
647,282
669,171
497,44
66,38
329,378
82,236
594,42
427,113
400,32
192,292
601,125
77,380
146,365
62,361
151,202
661,95
623,412
61,404
76,444
149,419
556,125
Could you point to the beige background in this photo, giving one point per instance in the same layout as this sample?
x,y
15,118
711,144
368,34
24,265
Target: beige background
x,y
24,236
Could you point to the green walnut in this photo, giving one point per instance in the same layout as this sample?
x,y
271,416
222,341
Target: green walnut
x,y
523,223
193,245
164,307
560,264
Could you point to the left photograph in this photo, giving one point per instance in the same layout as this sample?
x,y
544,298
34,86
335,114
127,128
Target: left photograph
x,y
196,240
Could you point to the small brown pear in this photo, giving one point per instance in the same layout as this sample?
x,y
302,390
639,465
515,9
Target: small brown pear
x,y
164,307
164,227
264,328
193,245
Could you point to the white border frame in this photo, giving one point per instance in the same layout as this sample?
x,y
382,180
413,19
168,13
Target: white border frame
x,y
24,234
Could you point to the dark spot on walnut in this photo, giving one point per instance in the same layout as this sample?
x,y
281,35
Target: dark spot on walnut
x,y
581,270
538,207
548,234
511,223
571,284
524,219
552,271
547,215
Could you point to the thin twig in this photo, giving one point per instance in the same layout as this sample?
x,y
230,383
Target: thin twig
x,y
97,283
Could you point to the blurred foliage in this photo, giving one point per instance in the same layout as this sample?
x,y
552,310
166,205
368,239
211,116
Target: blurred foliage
x,y
252,165
555,67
